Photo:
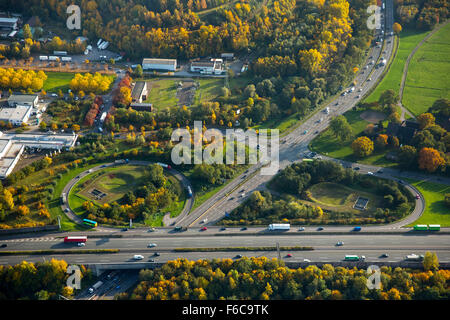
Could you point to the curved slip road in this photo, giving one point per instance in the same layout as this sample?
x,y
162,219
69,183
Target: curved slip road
x,y
72,216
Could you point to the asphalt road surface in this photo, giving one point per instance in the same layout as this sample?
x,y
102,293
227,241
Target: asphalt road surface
x,y
325,249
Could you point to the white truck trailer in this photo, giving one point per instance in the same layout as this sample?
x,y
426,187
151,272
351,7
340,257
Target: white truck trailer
x,y
95,286
279,226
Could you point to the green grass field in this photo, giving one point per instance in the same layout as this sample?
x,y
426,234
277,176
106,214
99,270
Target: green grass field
x,y
209,89
408,41
342,198
436,212
60,81
163,92
57,80
326,143
427,78
115,182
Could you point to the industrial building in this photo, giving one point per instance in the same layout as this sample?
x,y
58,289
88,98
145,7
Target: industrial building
x,y
12,146
17,115
212,66
8,23
23,100
159,64
139,92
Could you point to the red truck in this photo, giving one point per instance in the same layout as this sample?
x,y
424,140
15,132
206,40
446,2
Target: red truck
x,y
77,239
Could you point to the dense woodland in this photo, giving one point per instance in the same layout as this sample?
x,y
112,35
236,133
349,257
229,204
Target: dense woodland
x,y
38,281
421,14
262,278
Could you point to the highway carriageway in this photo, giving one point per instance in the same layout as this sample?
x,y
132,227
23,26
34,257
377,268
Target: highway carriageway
x,y
325,249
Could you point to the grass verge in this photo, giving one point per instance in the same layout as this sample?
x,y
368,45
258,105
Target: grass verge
x,y
436,212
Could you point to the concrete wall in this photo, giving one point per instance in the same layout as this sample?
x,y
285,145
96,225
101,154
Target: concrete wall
x,y
27,230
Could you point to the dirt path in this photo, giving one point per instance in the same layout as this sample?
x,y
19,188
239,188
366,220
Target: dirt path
x,y
405,71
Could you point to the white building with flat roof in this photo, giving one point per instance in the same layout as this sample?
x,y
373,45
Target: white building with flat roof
x,y
23,100
12,146
16,116
212,66
8,23
159,64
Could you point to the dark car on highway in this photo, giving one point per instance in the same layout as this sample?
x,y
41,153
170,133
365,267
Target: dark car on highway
x,y
244,228
356,168
156,254
319,228
4,245
238,256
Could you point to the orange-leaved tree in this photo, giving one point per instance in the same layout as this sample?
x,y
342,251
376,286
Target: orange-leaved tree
x,y
362,146
430,159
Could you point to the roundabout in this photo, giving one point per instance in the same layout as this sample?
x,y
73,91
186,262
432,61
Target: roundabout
x,y
108,183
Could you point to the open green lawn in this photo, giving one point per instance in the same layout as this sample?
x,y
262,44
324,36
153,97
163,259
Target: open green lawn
x,y
341,197
162,93
114,182
408,41
436,212
209,89
428,73
326,143
58,80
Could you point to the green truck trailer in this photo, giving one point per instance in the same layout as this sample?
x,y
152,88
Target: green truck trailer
x,y
430,227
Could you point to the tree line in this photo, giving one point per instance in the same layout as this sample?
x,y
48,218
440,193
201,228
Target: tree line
x,y
269,279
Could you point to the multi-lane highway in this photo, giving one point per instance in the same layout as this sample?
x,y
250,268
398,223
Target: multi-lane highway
x,y
397,246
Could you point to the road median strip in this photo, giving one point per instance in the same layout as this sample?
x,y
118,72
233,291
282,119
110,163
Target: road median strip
x,y
38,252
226,249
